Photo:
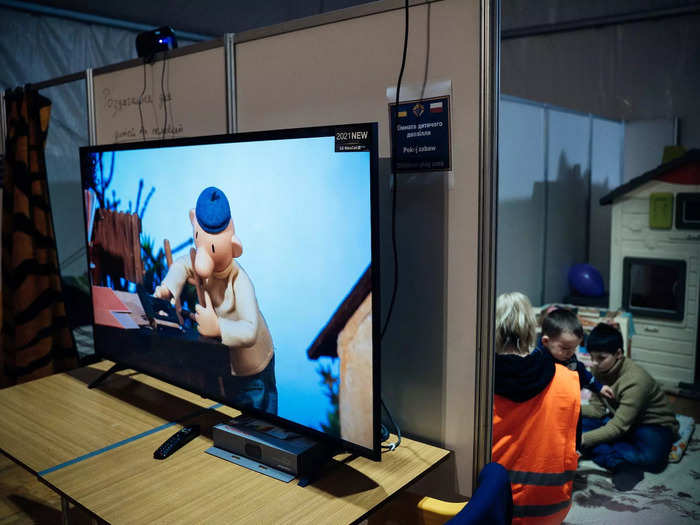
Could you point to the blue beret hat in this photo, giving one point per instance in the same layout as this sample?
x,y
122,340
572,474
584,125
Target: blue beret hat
x,y
212,211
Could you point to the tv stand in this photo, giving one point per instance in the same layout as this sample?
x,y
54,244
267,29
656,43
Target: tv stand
x,y
106,374
314,473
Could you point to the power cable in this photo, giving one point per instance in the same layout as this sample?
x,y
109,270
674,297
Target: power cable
x,y
394,179
394,185
165,102
143,129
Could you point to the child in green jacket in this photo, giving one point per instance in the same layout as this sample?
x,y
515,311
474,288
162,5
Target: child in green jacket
x,y
633,432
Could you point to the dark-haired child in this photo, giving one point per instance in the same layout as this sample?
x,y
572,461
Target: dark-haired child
x,y
562,333
633,432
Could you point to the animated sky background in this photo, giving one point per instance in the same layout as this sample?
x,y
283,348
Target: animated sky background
x,y
302,213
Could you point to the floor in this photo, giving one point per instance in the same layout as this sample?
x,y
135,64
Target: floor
x,y
25,500
671,497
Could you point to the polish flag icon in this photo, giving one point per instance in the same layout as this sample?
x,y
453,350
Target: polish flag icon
x,y
436,107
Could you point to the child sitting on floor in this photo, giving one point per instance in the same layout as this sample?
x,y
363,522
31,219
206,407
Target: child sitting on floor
x,y
561,334
634,432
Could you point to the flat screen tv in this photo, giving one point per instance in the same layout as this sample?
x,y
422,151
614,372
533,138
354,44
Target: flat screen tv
x,y
244,268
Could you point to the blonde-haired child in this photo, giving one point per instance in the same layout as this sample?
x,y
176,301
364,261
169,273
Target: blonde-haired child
x,y
531,392
515,324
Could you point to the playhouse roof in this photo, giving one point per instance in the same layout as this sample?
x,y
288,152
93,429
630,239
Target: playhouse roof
x,y
683,170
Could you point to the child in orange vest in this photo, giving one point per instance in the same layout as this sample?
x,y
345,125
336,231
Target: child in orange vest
x,y
531,392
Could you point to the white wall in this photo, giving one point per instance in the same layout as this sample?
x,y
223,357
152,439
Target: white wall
x,y
521,201
606,175
339,73
644,145
568,169
554,165
67,132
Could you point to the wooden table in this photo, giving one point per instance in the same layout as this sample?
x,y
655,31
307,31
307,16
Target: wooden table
x,y
95,448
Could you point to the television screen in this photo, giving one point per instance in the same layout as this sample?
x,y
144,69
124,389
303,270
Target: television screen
x,y
244,267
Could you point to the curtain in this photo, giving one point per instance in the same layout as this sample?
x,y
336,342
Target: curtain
x,y
36,340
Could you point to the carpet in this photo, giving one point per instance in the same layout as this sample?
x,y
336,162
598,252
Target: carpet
x,y
671,497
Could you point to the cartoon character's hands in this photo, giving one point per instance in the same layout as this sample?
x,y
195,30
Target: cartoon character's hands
x,y
162,292
607,392
206,318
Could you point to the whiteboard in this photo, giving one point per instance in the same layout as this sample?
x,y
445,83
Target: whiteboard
x,y
192,87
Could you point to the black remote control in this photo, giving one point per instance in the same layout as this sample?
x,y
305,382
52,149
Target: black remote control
x,y
177,440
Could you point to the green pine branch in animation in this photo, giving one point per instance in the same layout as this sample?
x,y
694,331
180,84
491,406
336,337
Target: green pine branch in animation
x,y
331,387
99,178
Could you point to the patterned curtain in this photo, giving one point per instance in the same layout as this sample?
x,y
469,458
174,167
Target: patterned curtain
x,y
36,339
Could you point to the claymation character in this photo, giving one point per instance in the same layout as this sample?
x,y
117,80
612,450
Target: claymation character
x,y
231,309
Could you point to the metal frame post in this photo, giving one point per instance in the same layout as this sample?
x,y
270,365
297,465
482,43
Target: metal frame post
x,y
90,94
488,199
230,54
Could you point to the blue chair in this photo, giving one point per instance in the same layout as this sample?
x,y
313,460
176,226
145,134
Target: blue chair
x,y
492,502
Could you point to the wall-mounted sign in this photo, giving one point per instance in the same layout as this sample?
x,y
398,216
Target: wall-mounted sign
x,y
420,134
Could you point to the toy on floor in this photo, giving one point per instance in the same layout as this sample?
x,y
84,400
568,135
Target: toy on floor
x,y
685,431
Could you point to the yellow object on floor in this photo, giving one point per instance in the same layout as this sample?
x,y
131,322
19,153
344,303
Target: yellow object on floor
x,y
412,509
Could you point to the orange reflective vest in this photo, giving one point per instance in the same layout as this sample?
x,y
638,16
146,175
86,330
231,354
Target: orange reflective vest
x,y
536,442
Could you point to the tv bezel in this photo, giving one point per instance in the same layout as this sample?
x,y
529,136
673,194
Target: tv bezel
x,y
373,453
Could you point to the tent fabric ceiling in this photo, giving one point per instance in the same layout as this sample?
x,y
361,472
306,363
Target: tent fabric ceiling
x,y
210,17
216,17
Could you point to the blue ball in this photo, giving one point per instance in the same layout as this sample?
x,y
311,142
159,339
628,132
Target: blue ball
x,y
586,280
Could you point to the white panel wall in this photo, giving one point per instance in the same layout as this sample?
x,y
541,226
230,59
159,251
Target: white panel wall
x,y
644,144
338,73
567,172
67,132
193,86
521,204
606,175
554,165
